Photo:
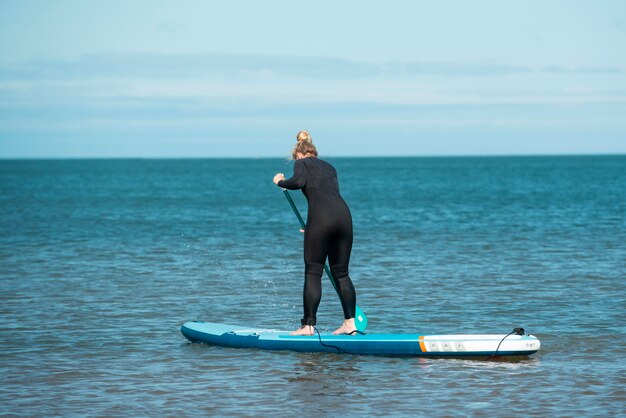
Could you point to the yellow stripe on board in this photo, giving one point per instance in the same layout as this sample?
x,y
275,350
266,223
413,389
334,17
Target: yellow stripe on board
x,y
422,345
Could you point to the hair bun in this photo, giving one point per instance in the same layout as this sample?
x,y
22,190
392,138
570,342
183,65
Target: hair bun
x,y
304,147
303,136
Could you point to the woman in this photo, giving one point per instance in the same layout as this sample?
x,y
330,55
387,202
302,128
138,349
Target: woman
x,y
328,233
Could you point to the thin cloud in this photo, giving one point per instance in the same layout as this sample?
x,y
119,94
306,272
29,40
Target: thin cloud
x,y
233,66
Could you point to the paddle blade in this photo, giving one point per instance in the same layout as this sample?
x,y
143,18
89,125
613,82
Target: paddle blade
x,y
360,320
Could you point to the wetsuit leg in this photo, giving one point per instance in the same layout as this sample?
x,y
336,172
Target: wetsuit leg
x,y
312,293
339,260
315,250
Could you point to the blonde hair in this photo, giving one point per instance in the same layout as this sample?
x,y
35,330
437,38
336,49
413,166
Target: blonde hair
x,y
304,146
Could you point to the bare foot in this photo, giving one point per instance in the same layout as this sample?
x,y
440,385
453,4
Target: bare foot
x,y
305,330
347,327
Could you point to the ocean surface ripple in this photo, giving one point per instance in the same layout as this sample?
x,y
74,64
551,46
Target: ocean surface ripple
x,y
101,261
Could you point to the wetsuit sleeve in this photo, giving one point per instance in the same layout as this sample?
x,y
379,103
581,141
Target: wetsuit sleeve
x,y
298,180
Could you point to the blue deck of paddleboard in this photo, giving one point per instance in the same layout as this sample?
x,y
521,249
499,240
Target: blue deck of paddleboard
x,y
375,344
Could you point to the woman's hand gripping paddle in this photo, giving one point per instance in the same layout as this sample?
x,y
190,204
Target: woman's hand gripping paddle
x,y
360,320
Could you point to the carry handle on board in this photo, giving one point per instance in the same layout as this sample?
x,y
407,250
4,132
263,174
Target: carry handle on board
x,y
360,320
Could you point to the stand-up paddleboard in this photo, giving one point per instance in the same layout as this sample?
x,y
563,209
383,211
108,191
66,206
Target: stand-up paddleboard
x,y
462,345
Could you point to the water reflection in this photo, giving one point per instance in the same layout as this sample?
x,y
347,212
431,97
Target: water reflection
x,y
325,374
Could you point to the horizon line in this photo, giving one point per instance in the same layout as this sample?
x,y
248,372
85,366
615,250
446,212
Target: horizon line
x,y
394,156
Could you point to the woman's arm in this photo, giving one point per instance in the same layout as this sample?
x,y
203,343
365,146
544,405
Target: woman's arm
x,y
298,180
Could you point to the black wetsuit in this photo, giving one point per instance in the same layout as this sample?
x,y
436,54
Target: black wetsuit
x,y
328,233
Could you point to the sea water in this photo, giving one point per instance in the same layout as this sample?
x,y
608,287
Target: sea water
x,y
101,261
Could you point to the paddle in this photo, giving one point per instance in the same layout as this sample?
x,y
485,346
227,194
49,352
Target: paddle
x,y
360,320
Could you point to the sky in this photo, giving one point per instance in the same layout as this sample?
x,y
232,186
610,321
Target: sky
x,y
240,78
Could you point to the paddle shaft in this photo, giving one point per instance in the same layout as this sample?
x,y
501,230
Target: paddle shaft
x,y
303,225
360,319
